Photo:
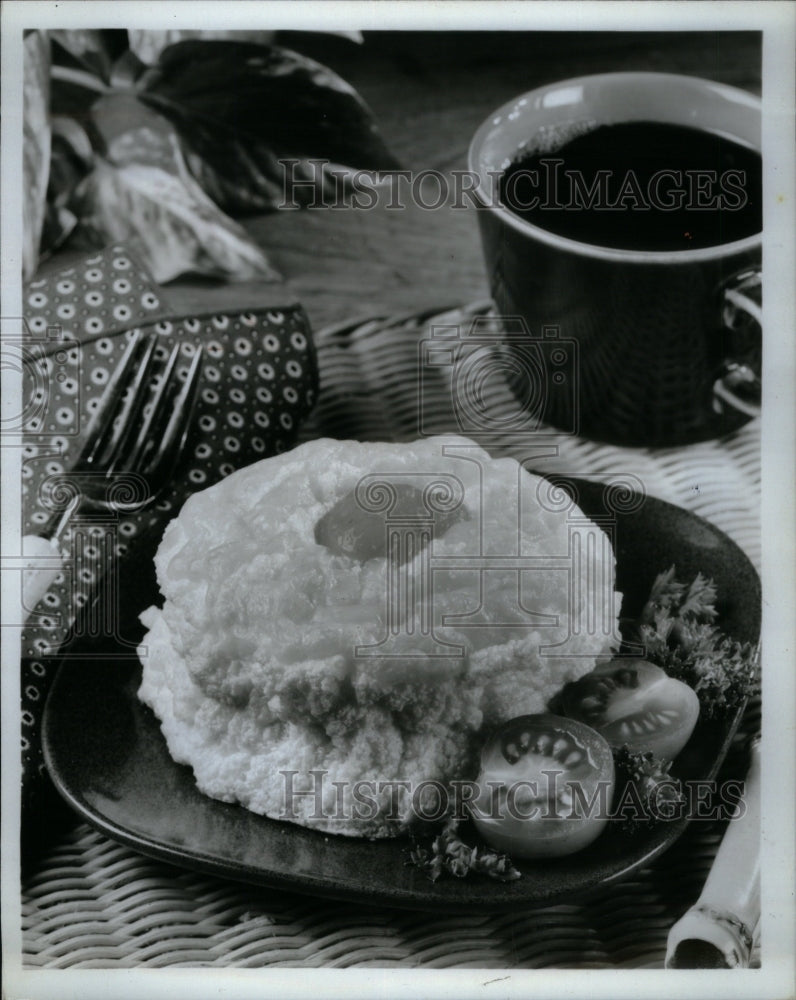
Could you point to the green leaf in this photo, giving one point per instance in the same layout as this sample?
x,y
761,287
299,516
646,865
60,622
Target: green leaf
x,y
35,145
71,158
141,189
241,108
213,118
92,49
679,634
148,44
74,137
178,227
449,853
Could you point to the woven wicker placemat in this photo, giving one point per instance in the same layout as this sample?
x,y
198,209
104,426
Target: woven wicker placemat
x,y
91,903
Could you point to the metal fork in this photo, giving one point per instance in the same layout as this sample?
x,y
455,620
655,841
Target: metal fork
x,y
132,441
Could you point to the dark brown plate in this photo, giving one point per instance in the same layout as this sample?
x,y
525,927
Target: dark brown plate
x,y
107,756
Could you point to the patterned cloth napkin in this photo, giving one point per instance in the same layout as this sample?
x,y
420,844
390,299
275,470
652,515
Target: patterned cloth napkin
x,y
259,379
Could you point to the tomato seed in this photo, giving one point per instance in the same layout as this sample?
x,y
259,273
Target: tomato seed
x,y
628,677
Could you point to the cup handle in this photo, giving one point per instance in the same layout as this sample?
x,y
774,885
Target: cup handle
x,y
738,385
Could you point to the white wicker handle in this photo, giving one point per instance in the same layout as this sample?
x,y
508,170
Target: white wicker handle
x,y
719,930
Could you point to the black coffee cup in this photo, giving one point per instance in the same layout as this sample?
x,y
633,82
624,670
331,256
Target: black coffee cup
x,y
660,346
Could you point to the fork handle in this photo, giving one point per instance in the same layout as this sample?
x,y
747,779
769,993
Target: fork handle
x,y
42,563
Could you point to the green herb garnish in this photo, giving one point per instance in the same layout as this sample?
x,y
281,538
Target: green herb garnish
x,y
678,631
449,854
646,793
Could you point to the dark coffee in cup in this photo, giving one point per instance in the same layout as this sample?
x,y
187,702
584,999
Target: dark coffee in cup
x,y
639,185
638,264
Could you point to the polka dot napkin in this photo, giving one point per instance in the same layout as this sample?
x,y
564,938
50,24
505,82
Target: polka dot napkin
x,y
258,380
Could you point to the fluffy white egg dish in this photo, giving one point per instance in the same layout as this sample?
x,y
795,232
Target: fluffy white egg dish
x,y
368,611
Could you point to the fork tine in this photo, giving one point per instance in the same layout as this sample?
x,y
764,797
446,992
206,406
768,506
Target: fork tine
x,y
176,432
171,438
156,447
134,452
106,429
101,424
124,423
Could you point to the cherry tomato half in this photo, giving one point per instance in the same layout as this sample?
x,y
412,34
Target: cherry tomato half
x,y
633,702
545,787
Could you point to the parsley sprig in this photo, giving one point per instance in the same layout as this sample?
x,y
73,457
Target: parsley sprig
x,y
450,855
646,793
677,628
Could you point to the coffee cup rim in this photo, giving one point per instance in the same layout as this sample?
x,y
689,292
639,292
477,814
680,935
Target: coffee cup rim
x,y
595,250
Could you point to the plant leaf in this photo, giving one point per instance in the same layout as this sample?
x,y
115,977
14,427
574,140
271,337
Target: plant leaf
x,y
59,224
140,188
36,145
71,158
127,131
241,108
74,136
148,45
92,49
177,226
